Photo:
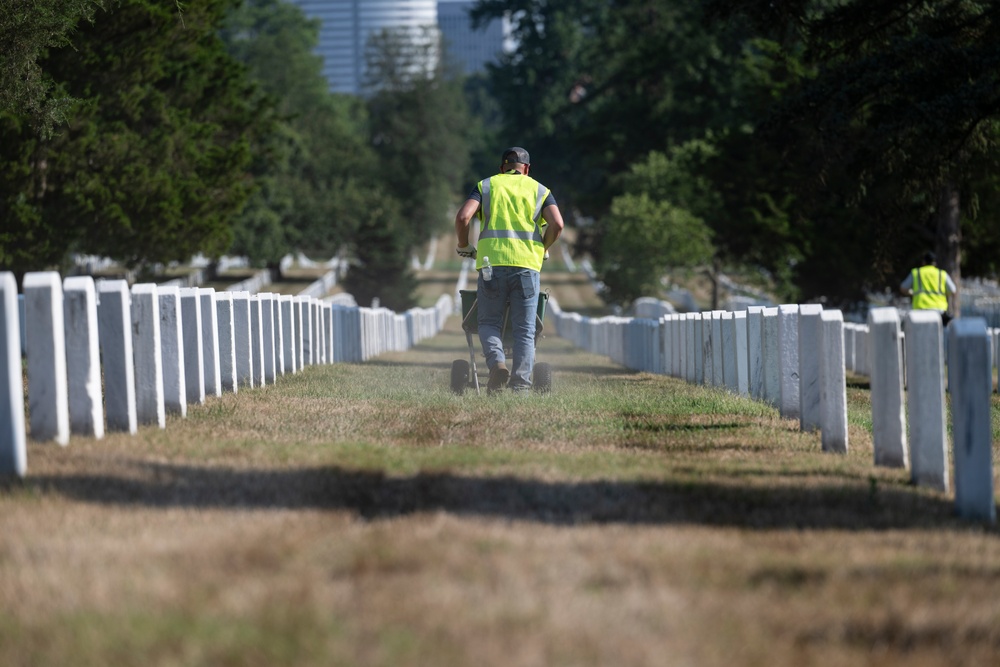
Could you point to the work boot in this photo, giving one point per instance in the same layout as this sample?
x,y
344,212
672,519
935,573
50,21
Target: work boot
x,y
498,378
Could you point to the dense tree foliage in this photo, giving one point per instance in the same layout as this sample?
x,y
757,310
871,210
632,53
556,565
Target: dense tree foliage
x,y
314,171
151,166
827,144
28,28
595,87
844,135
419,127
660,210
891,115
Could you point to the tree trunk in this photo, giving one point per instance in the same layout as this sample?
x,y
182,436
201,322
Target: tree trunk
x,y
713,275
949,237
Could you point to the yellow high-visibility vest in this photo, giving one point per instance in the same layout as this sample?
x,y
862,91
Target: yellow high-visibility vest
x,y
930,289
510,215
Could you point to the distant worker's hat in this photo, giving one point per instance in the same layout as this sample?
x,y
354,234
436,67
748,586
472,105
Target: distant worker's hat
x,y
929,257
515,155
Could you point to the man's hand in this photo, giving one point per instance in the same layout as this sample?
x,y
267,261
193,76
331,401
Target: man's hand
x,y
467,251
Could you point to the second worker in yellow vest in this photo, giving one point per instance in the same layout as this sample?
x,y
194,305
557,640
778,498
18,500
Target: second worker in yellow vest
x,y
929,287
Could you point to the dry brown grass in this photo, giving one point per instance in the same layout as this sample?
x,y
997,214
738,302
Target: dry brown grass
x,y
364,515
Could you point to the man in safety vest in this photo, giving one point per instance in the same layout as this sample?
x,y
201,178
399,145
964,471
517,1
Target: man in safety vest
x,y
519,221
930,287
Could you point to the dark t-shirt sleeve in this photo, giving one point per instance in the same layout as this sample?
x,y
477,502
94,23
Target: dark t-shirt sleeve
x,y
475,195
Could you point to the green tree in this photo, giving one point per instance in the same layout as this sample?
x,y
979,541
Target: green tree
x,y
595,85
897,105
27,32
656,225
650,237
419,127
152,165
380,255
316,169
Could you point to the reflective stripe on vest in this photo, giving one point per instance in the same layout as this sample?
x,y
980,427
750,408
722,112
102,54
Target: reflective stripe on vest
x,y
510,211
930,289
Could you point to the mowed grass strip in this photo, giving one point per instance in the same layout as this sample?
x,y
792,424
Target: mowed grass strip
x,y
363,514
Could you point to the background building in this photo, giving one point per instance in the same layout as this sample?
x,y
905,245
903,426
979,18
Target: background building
x,y
465,48
347,25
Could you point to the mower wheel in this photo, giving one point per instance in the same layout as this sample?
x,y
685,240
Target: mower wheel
x,y
459,376
543,377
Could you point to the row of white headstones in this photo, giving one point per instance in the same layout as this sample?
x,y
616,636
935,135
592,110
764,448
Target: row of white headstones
x,y
105,355
796,358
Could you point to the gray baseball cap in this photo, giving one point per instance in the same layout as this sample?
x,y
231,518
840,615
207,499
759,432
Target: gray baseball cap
x,y
514,155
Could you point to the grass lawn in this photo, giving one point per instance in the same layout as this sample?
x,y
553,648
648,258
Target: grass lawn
x,y
364,515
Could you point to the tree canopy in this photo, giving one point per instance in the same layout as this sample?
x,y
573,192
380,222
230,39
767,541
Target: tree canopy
x,y
151,165
891,113
844,135
314,170
27,31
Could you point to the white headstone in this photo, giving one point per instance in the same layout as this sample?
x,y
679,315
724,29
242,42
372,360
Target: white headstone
x,y
226,320
303,332
925,402
755,367
718,378
210,342
788,356
730,376
886,364
971,387
13,448
833,383
256,340
172,351
809,361
740,352
114,322
146,349
771,358
697,345
48,393
289,333
278,330
242,338
267,308
194,351
83,357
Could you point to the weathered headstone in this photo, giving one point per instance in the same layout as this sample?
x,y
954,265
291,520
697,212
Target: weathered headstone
x,y
755,368
83,357
210,342
788,355
48,394
832,382
971,387
925,402
172,351
114,322
225,315
809,361
886,364
146,354
194,351
13,447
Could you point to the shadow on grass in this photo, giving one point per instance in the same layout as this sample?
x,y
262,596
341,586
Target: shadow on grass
x,y
372,495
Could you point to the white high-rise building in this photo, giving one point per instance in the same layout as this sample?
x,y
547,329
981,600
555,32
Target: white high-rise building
x,y
347,26
469,49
